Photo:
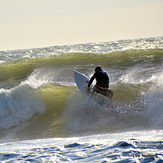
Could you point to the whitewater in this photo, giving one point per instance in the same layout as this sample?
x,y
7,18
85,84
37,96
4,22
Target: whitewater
x,y
45,118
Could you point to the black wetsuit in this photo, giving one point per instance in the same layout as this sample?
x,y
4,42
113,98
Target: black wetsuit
x,y
102,79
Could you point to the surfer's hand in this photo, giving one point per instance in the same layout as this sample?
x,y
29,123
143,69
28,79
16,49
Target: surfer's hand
x,y
89,89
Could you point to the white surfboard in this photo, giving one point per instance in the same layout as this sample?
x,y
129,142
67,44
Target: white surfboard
x,y
82,83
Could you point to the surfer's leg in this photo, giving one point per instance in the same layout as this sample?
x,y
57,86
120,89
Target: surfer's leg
x,y
109,93
98,90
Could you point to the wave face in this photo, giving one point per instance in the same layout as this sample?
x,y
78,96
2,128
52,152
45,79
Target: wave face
x,y
39,98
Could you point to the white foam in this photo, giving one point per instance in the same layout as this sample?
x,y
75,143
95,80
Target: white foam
x,y
18,104
154,103
138,75
46,75
39,77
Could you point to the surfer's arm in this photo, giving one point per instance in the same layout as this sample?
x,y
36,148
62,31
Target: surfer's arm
x,y
90,82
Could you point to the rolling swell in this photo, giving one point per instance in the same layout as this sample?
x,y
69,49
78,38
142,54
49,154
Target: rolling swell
x,y
39,98
20,69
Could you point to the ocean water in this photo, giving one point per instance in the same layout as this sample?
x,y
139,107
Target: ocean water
x,y
45,118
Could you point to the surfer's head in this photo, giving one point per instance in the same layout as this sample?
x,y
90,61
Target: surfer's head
x,y
98,68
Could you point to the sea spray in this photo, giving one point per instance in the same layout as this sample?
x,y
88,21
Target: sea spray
x,y
153,102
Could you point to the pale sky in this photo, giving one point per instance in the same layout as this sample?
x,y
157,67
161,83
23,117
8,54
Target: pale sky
x,y
43,23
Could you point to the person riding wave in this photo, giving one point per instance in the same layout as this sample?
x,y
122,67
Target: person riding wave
x,y
102,83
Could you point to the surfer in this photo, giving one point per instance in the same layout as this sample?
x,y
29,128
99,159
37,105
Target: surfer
x,y
102,83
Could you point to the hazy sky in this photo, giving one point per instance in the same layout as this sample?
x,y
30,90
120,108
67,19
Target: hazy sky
x,y
43,23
